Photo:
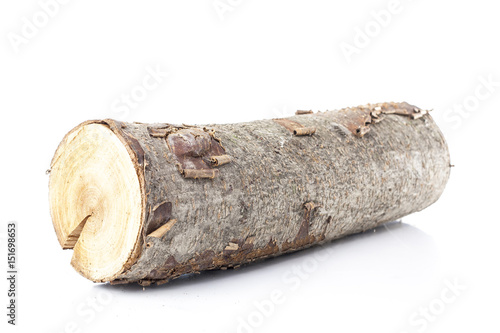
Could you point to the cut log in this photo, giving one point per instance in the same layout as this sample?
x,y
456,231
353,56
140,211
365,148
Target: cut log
x,y
150,202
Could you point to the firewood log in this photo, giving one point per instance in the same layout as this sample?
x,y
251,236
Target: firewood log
x,y
148,203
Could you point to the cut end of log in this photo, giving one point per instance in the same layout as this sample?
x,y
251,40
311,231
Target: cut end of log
x,y
95,201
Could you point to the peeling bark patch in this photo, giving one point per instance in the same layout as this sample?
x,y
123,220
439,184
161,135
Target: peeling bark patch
x,y
304,131
302,112
358,120
158,132
195,151
220,160
197,174
295,127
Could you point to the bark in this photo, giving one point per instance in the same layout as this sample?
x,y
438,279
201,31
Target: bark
x,y
219,196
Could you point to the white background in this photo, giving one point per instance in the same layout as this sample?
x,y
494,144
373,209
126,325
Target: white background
x,y
250,60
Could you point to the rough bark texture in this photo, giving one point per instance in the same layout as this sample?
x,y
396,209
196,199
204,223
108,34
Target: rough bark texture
x,y
280,185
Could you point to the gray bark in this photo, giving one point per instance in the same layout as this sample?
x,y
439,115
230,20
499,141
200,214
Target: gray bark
x,y
280,192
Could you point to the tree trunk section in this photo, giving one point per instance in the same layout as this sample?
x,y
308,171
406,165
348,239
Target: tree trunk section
x,y
150,202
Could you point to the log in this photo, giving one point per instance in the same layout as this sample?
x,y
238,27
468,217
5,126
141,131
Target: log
x,y
148,203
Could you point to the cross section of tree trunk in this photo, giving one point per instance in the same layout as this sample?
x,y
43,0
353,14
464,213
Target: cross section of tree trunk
x,y
150,202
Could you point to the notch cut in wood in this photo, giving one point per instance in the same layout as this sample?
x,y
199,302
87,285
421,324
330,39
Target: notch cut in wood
x,y
73,236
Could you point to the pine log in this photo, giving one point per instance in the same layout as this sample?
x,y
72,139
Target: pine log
x,y
148,203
